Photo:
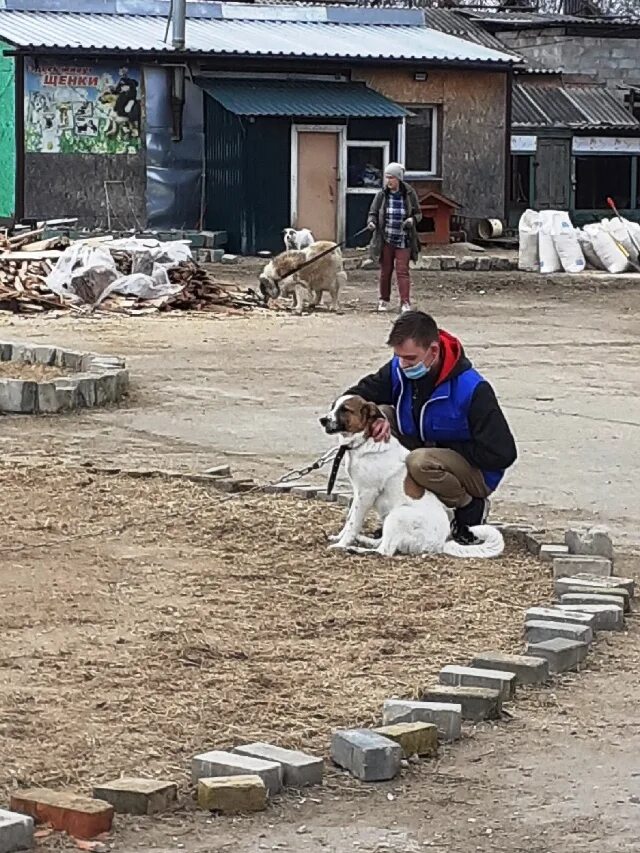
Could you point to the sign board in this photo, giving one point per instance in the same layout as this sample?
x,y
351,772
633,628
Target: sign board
x,y
523,144
82,109
606,145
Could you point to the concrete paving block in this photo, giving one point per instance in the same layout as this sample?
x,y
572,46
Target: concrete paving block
x,y
448,262
6,351
66,395
477,703
232,794
500,264
366,755
562,654
298,768
325,498
467,263
533,542
549,551
305,492
343,498
66,811
86,385
18,396
430,263
581,598
564,567
594,541
218,762
16,831
217,255
277,488
22,353
539,630
414,738
583,581
615,592
43,354
608,617
106,388
483,264
137,796
69,360
527,670
446,716
467,676
215,239
557,614
229,259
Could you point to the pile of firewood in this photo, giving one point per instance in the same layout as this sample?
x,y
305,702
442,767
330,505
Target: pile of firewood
x,y
24,265
26,262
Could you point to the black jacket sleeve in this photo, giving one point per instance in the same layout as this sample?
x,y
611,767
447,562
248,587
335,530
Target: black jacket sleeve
x,y
492,446
375,388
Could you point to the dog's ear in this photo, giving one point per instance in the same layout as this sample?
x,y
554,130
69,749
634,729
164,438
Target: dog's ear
x,y
371,412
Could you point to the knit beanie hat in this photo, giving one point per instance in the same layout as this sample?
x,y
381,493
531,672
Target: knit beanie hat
x,y
395,170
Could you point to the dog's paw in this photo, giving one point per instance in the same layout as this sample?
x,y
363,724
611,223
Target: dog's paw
x,y
333,537
340,545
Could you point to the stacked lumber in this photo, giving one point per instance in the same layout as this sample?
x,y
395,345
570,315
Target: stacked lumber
x,y
25,263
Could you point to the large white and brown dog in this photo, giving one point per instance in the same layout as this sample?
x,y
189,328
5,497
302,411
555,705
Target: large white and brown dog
x,y
414,521
279,276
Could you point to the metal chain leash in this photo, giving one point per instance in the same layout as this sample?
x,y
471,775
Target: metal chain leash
x,y
290,476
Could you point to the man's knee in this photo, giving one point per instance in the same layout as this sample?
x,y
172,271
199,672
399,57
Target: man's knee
x,y
424,467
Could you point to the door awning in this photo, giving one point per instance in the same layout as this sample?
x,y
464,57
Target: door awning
x,y
302,98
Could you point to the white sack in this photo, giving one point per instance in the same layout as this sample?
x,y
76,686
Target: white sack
x,y
566,243
549,258
528,232
611,256
588,251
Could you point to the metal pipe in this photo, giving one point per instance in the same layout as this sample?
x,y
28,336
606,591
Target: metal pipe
x,y
178,24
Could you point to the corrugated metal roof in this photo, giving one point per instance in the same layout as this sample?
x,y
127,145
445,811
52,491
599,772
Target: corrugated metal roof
x,y
506,20
452,22
559,105
300,98
241,37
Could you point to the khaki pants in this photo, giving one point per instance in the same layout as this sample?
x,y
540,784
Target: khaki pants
x,y
444,472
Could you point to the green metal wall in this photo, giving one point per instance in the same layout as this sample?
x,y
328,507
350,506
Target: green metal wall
x,y
7,134
247,178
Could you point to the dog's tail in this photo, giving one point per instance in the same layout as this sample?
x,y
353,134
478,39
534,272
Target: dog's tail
x,y
491,544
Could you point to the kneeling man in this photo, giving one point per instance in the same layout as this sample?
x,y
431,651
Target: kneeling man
x,y
446,413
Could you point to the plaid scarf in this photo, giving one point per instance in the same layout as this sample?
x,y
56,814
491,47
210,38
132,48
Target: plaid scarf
x,y
395,213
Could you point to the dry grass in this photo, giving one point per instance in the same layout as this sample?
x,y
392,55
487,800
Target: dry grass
x,y
32,372
143,621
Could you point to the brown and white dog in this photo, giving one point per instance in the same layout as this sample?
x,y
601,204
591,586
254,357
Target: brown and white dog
x,y
414,521
327,274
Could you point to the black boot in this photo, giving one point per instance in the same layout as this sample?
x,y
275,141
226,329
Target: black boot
x,y
468,516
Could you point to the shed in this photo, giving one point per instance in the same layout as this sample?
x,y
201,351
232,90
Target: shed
x,y
573,144
279,148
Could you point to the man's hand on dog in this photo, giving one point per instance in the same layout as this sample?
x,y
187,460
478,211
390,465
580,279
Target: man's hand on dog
x,y
381,430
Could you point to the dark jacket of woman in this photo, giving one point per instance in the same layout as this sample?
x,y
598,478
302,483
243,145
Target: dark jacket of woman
x,y
376,215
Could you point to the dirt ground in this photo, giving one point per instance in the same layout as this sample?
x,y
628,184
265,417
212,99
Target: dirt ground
x,y
562,775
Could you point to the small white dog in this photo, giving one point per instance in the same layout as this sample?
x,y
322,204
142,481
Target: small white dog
x,y
297,239
414,520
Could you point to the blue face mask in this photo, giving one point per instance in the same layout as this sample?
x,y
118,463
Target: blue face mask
x,y
416,371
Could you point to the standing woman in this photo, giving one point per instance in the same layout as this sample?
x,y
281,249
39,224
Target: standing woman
x,y
393,216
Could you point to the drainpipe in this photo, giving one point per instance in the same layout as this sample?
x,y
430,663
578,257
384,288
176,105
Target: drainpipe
x,y
178,40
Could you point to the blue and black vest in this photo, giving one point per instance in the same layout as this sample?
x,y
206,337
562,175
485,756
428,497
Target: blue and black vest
x,y
444,417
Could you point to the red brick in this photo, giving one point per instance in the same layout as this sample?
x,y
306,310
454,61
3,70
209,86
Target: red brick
x,y
82,817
